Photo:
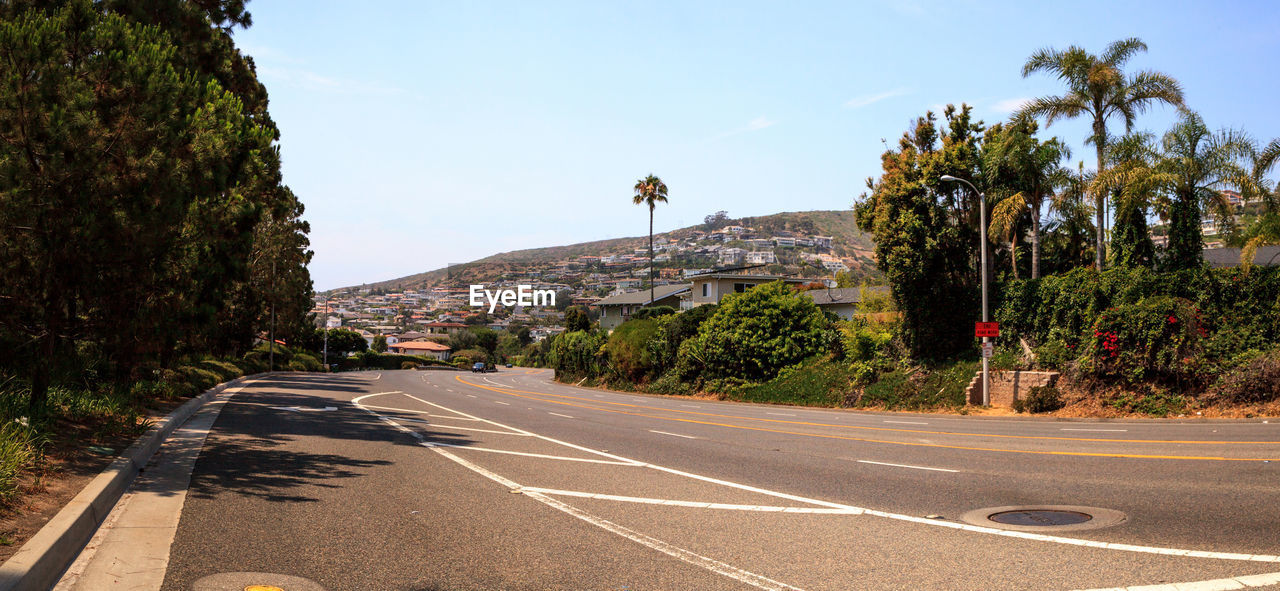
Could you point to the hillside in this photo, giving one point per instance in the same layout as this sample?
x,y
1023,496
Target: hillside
x,y
848,243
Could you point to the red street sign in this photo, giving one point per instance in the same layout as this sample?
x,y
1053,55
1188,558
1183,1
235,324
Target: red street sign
x,y
986,329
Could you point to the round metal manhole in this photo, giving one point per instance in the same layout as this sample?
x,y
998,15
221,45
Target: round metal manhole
x,y
1040,517
1044,518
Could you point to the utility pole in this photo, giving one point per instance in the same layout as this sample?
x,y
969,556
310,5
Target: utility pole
x,y
982,224
272,355
325,326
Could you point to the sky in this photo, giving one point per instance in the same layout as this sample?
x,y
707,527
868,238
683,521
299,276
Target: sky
x,y
424,133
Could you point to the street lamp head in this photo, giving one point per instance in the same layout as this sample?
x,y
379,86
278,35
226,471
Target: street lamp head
x,y
949,178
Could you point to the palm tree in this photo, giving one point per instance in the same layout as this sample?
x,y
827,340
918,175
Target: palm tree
x,y
1131,177
1029,169
1194,166
651,191
1097,87
1267,229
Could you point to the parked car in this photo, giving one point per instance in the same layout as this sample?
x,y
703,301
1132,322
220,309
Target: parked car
x,y
508,365
477,367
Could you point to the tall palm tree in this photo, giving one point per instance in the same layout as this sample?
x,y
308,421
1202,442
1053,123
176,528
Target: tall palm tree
x,y
1097,87
1130,176
1194,166
1029,168
651,191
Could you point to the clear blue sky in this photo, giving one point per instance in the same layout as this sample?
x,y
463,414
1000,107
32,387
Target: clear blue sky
x,y
420,134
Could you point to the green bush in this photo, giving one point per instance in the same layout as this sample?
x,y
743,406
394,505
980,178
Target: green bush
x,y
1157,338
664,347
305,362
1039,399
20,446
225,369
409,365
470,356
1149,401
628,350
576,354
758,332
200,379
920,388
648,312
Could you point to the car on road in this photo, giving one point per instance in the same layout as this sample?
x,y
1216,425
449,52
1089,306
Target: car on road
x,y
508,365
477,367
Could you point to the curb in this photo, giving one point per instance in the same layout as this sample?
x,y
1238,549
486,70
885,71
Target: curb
x,y
40,562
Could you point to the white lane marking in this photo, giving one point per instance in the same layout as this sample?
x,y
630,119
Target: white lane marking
x,y
502,403
377,377
456,428
599,395
449,389
780,414
526,454
1263,580
420,412
560,415
471,395
710,564
673,434
305,408
898,516
690,406
695,504
906,466
495,383
907,422
1097,430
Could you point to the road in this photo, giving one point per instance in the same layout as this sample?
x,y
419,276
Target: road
x,y
447,480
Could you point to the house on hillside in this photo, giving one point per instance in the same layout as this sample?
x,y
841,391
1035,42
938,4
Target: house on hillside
x,y
422,349
616,309
710,288
841,301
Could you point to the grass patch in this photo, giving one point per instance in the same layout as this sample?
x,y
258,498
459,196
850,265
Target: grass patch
x,y
920,387
814,382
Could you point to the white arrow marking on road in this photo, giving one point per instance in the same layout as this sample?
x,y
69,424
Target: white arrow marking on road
x,y
305,409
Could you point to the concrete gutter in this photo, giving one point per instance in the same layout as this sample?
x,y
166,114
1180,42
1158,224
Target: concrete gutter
x,y
40,562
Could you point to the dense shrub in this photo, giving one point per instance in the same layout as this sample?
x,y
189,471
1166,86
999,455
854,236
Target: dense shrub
x,y
1255,380
674,331
652,312
470,356
628,351
918,388
576,354
1157,338
1039,399
815,382
758,332
305,362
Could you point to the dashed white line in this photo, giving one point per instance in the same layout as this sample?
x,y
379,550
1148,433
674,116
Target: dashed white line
x,y
502,403
673,434
690,406
495,383
1097,430
560,415
906,466
907,422
780,414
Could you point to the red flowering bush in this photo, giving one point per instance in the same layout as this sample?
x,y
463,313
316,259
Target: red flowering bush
x,y
1155,339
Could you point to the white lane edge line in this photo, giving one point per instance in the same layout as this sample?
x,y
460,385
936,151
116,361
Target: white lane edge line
x,y
495,383
906,422
673,434
524,453
420,412
694,504
1262,580
907,466
502,403
780,414
1097,430
559,415
710,564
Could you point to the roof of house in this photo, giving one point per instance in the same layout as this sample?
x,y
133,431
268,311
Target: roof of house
x,y
762,278
420,346
841,295
642,297
1230,257
445,324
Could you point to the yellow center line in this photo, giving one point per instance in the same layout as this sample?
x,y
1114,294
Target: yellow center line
x,y
518,394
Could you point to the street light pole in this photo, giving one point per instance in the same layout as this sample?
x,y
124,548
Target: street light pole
x,y
325,326
982,226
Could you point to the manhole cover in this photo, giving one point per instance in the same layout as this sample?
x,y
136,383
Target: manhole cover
x,y
1045,518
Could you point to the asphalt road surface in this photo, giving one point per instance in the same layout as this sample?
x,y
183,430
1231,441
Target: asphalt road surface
x,y
424,480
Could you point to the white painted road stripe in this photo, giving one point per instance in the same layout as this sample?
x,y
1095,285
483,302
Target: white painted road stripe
x,y
471,395
419,412
527,454
906,466
710,564
672,434
780,414
502,403
560,415
690,406
1263,580
907,422
1098,430
495,383
695,504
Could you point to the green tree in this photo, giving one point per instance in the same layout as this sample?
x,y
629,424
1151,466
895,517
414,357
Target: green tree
x,y
1194,166
755,333
1266,230
1024,173
1131,177
576,319
926,231
650,191
1098,88
380,344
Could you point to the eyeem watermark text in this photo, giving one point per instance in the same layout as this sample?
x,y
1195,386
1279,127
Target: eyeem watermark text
x,y
522,295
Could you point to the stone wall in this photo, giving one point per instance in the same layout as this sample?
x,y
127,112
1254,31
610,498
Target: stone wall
x,y
1007,386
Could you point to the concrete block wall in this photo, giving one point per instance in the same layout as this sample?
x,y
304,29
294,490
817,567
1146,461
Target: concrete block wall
x,y
1007,386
